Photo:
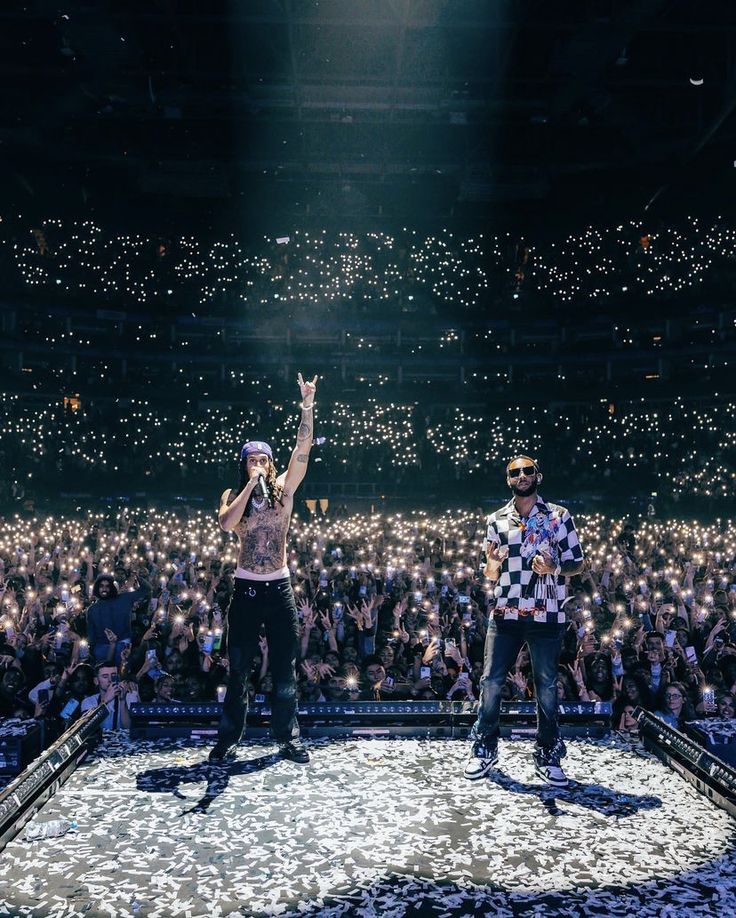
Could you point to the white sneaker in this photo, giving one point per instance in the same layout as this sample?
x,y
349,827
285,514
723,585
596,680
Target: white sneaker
x,y
552,774
483,757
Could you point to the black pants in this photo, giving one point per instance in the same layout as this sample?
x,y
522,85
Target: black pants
x,y
255,603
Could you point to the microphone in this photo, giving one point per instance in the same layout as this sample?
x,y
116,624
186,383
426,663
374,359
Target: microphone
x,y
261,489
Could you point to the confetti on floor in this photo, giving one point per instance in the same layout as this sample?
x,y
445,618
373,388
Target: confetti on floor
x,y
373,827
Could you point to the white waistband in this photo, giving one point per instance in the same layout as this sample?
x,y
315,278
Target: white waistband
x,y
243,574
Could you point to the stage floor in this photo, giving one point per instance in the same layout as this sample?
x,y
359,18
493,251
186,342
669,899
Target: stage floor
x,y
373,827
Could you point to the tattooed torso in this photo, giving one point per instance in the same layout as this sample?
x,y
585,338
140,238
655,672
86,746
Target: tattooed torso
x,y
262,535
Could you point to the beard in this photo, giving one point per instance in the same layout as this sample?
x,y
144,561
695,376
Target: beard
x,y
527,490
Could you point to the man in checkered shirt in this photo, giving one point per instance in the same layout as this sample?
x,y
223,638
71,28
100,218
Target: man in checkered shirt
x,y
531,546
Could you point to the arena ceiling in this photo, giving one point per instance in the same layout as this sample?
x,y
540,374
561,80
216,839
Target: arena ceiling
x,y
378,109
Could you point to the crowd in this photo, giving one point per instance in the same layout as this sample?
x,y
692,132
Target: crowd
x,y
364,271
134,607
397,445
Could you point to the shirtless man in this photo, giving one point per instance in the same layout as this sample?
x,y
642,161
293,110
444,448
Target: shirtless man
x,y
259,510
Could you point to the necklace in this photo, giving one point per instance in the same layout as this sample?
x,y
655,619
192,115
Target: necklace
x,y
258,502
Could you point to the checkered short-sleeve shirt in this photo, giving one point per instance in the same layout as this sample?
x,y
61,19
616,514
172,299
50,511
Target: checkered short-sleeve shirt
x,y
549,528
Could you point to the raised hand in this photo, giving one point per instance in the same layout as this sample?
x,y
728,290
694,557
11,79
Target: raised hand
x,y
307,613
308,389
639,637
310,671
431,652
40,709
518,679
356,615
462,684
714,632
454,654
367,611
263,645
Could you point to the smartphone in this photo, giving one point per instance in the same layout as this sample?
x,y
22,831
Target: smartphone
x,y
337,612
69,709
669,638
114,679
425,672
463,599
43,696
691,655
389,681
209,643
260,699
151,655
418,596
709,698
153,604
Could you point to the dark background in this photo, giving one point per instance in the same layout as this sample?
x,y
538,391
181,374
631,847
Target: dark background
x,y
529,116
533,120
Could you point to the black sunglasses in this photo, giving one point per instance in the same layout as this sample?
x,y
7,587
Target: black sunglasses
x,y
528,470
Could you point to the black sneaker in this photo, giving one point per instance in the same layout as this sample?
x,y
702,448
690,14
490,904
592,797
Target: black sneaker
x,y
222,752
483,757
547,764
552,774
295,750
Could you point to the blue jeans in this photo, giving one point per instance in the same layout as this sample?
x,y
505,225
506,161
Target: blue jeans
x,y
255,603
504,640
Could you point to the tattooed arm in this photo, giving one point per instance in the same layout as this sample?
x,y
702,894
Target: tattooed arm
x,y
232,509
300,457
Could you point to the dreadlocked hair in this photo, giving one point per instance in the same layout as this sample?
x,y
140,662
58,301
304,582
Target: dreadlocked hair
x,y
275,489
